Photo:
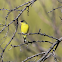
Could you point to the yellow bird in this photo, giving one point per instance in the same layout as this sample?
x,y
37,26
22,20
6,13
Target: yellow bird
x,y
24,29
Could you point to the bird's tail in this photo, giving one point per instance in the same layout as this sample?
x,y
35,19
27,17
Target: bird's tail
x,y
24,38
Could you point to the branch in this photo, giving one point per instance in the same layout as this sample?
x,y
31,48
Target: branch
x,y
6,26
43,34
9,41
33,56
48,51
27,6
55,9
30,43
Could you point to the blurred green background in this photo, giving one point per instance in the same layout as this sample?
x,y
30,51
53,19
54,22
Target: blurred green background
x,y
39,18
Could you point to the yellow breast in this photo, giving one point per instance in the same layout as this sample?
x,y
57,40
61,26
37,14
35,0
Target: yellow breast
x,y
24,28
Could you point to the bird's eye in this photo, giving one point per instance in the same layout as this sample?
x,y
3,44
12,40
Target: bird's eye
x,y
22,21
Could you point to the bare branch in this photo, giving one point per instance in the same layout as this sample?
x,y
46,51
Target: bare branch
x,y
29,3
53,54
48,51
33,56
6,26
55,9
30,43
43,34
10,40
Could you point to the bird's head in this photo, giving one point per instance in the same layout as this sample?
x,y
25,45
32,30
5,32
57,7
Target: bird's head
x,y
23,21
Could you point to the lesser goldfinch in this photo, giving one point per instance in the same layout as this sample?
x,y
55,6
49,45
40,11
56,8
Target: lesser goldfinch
x,y
24,29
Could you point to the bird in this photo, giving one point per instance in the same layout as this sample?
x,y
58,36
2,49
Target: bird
x,y
24,29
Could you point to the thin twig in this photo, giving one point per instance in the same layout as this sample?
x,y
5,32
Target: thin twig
x,y
10,40
48,51
43,34
55,9
33,56
21,10
8,44
6,26
30,43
